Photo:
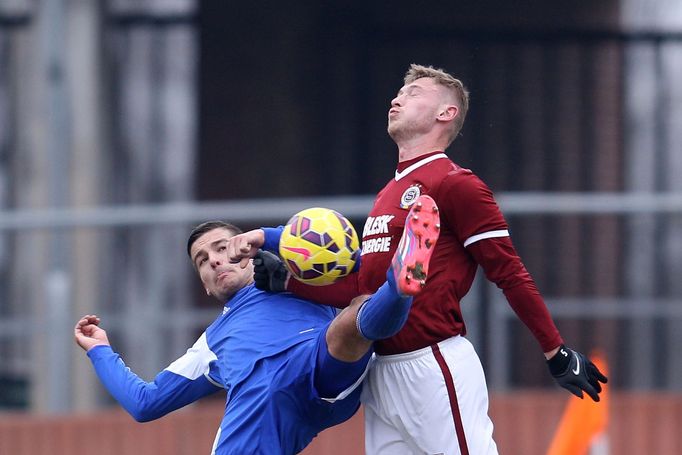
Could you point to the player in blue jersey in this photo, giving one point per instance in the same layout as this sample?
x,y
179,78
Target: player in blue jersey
x,y
290,367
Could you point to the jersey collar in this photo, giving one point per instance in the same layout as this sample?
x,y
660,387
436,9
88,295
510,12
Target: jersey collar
x,y
415,165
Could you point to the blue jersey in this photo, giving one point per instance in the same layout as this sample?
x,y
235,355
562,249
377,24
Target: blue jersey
x,y
262,350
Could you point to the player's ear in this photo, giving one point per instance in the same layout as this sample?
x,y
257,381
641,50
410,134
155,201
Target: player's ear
x,y
448,112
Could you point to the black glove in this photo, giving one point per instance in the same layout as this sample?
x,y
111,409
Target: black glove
x,y
269,272
576,373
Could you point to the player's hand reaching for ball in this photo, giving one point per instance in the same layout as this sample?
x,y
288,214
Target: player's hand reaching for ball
x,y
88,334
576,373
269,272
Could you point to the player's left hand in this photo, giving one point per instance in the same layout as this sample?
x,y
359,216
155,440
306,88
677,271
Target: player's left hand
x,y
269,272
88,333
576,373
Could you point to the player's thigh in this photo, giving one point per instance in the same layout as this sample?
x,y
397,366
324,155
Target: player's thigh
x,y
456,419
382,438
416,399
336,378
398,396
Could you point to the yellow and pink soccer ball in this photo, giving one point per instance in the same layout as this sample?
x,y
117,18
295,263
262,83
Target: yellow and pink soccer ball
x,y
319,246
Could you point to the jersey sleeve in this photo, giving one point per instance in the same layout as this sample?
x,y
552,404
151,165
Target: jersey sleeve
x,y
271,236
498,259
473,214
184,381
338,294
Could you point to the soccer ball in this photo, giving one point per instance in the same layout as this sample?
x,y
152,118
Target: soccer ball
x,y
319,246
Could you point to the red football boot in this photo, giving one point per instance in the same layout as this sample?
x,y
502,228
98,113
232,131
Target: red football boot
x,y
411,260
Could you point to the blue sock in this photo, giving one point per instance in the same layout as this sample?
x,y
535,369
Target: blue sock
x,y
384,313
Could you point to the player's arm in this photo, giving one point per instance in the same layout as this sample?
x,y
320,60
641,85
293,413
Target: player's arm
x,y
183,382
501,265
469,208
571,369
483,230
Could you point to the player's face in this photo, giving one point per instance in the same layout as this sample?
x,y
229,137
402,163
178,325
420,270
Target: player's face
x,y
414,110
221,278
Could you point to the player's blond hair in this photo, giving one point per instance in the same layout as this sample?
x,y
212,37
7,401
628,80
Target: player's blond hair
x,y
455,86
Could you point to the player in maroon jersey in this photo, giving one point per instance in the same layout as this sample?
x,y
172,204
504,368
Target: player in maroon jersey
x,y
426,391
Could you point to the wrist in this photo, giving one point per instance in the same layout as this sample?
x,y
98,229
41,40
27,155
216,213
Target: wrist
x,y
98,350
551,353
559,362
90,348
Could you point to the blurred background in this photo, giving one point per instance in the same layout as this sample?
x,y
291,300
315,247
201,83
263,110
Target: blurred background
x,y
124,123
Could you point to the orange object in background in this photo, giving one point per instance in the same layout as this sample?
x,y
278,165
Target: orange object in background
x,y
583,424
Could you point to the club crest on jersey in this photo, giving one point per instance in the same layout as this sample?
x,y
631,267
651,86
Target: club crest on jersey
x,y
409,196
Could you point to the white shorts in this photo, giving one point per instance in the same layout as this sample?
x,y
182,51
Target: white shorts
x,y
430,401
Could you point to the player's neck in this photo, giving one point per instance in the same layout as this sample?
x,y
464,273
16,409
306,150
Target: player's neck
x,y
413,147
412,150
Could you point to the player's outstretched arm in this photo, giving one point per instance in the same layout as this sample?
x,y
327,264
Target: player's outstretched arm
x,y
173,388
576,373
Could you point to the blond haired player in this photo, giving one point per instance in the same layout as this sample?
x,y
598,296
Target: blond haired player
x,y
426,392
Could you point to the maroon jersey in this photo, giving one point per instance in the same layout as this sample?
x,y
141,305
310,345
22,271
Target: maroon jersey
x,y
473,232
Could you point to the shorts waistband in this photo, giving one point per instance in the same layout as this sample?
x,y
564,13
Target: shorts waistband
x,y
419,352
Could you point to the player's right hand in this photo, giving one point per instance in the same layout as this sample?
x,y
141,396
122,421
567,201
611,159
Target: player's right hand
x,y
576,373
269,272
243,247
88,334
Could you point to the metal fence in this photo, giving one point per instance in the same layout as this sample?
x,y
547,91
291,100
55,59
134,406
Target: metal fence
x,y
169,326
